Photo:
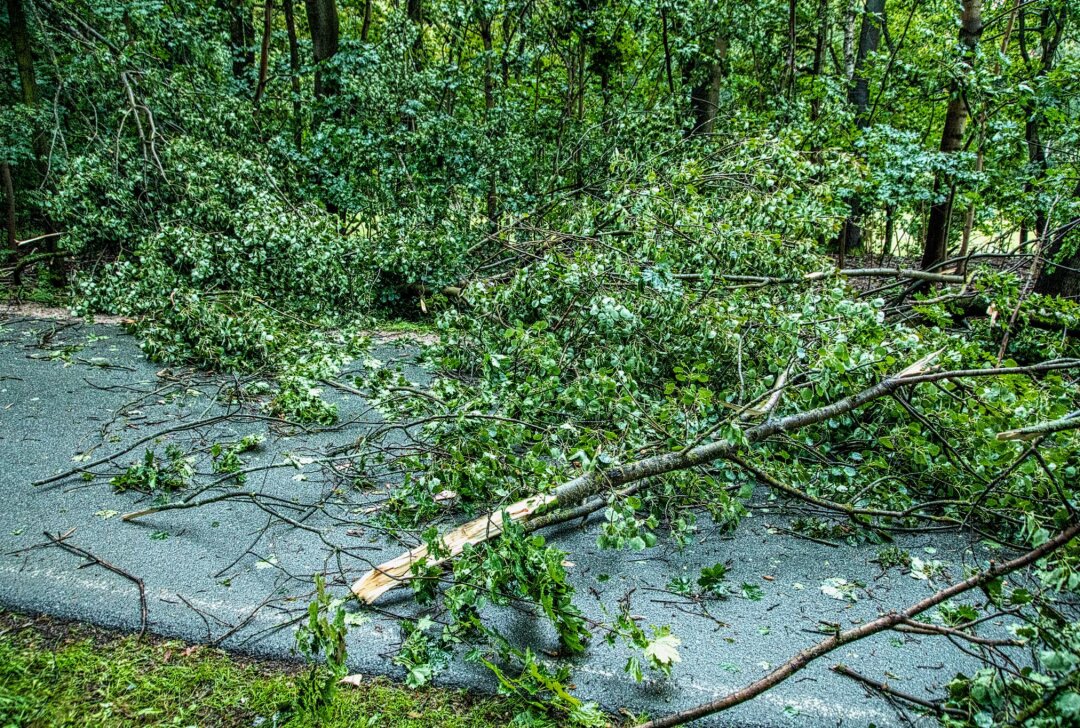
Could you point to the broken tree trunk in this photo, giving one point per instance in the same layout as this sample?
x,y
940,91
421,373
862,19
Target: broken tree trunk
x,y
397,571
386,576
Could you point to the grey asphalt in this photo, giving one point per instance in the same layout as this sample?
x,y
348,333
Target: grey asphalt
x,y
238,575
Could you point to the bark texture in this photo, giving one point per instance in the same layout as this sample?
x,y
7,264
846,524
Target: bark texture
x,y
936,245
325,35
850,236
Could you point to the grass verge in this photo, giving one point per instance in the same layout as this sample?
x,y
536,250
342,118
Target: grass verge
x,y
55,673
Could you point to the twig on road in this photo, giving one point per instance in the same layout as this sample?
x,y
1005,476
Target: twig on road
x,y
94,560
885,622
887,689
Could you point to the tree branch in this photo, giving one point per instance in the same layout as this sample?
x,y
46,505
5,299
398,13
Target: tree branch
x,y
396,571
882,623
1070,421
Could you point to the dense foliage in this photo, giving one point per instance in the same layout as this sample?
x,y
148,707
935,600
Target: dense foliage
x,y
627,223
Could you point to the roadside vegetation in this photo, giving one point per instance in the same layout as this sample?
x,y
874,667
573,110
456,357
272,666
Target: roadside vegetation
x,y
54,673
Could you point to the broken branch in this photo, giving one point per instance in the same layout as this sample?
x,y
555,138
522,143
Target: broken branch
x,y
1070,421
94,560
887,689
396,571
142,440
882,623
386,576
918,275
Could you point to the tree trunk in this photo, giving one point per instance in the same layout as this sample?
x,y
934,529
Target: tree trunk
x,y
969,216
1037,164
1052,27
365,28
869,39
323,20
850,236
264,51
890,231
792,72
24,57
850,15
241,37
492,204
667,50
705,94
414,10
819,60
294,74
936,246
9,217
1060,278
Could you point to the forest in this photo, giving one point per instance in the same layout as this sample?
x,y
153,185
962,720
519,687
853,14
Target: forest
x,y
667,258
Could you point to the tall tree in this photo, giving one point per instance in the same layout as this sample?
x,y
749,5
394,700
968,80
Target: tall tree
x,y
264,51
1060,274
1051,28
850,236
24,60
241,36
705,94
322,18
294,73
936,244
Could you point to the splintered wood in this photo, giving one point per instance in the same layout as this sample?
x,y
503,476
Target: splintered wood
x,y
396,572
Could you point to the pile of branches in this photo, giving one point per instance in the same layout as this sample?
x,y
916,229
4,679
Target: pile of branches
x,y
647,364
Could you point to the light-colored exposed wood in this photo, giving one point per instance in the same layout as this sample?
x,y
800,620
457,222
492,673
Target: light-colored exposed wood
x,y
386,576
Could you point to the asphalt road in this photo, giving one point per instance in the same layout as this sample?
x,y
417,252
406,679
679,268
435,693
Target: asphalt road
x,y
237,574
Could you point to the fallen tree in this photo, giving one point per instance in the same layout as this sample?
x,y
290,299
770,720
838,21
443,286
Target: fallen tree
x,y
397,571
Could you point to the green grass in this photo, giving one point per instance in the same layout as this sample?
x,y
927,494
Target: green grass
x,y
58,674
